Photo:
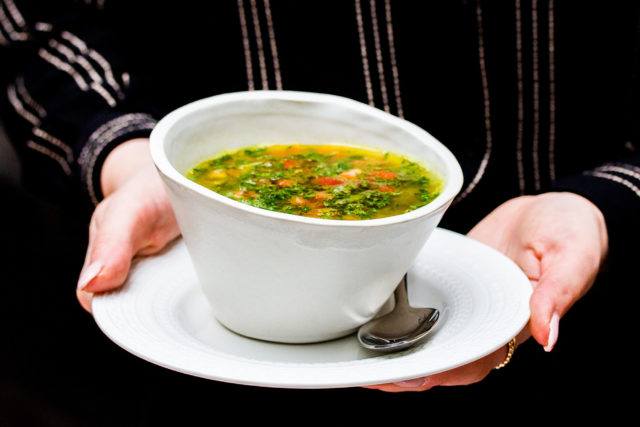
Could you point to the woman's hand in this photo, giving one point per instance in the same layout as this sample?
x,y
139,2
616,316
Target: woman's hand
x,y
559,240
135,218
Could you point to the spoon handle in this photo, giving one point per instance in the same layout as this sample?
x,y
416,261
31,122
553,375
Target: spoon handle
x,y
401,295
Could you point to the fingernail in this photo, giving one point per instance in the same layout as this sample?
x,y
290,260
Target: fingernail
x,y
415,383
89,273
85,299
554,325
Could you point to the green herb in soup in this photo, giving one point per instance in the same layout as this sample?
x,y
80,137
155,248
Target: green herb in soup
x,y
320,181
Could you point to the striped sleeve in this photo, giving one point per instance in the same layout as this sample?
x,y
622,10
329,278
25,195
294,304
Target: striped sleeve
x,y
70,97
116,129
615,189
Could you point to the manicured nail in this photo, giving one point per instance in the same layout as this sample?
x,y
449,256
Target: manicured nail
x,y
85,299
554,324
415,383
89,273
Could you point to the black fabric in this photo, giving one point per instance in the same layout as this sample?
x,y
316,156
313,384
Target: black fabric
x,y
58,369
617,204
163,55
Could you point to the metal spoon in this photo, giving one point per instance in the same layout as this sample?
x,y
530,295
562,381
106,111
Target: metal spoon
x,y
401,328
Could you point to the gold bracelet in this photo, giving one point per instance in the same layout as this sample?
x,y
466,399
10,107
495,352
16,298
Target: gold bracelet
x,y
512,348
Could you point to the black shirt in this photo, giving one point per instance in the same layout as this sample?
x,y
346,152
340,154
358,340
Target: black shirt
x,y
530,95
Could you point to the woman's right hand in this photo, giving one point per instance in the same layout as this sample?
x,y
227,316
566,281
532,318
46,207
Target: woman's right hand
x,y
135,218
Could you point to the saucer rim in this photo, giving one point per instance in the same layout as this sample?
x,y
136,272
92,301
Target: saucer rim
x,y
261,379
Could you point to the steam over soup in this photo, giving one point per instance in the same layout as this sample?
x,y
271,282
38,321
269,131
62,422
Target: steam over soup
x,y
320,181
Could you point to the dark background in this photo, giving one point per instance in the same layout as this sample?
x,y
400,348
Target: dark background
x,y
58,369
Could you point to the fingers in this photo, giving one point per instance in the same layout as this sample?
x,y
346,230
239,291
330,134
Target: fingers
x,y
566,275
472,372
84,298
110,250
463,375
418,384
135,220
559,241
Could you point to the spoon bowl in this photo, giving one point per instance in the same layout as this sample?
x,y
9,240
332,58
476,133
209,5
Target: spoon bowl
x,y
403,327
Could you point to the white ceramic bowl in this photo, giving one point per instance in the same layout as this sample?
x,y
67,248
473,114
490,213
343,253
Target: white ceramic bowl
x,y
281,277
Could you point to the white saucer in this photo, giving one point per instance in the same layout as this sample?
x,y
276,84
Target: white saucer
x,y
161,316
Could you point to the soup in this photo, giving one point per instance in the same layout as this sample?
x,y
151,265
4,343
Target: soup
x,y
320,181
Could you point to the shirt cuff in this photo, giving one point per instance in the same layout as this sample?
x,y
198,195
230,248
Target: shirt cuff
x,y
108,134
615,189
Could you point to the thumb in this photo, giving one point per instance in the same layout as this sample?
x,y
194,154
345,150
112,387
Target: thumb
x,y
112,242
566,275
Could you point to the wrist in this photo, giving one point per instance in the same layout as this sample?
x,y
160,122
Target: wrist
x,y
123,162
602,227
599,220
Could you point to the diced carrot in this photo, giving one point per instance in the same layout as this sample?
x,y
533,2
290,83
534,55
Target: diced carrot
x,y
298,201
244,194
289,163
387,188
327,180
386,175
285,183
321,195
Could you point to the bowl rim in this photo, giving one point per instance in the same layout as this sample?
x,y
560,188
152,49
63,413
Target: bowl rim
x,y
452,187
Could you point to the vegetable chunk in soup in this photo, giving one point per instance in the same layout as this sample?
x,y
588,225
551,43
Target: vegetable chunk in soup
x,y
320,181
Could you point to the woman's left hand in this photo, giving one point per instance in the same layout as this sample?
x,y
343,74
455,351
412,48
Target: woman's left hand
x,y
559,240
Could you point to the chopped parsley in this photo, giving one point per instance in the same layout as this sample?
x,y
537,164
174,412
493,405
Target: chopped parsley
x,y
322,181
